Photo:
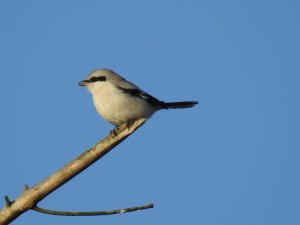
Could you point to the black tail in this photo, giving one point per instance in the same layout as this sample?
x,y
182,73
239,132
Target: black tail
x,y
180,105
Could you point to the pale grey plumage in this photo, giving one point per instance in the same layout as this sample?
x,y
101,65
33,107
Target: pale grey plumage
x,y
119,101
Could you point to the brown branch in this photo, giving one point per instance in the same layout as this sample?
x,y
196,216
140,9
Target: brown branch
x,y
31,196
95,213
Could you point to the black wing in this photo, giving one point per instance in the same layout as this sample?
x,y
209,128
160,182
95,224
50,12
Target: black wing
x,y
143,95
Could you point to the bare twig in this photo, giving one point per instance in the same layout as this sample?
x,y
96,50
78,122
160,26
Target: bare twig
x,y
31,196
7,200
95,213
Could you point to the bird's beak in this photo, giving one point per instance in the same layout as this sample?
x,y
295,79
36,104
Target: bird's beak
x,y
83,83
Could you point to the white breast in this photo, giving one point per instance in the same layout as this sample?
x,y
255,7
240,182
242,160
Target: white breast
x,y
118,107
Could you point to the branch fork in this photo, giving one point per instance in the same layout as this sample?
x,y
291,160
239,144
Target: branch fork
x,y
31,196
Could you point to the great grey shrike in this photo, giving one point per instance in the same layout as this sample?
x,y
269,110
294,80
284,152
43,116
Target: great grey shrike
x,y
118,101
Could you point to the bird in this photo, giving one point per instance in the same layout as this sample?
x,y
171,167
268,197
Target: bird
x,y
119,101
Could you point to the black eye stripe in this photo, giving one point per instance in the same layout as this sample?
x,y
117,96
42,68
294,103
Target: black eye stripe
x,y
95,79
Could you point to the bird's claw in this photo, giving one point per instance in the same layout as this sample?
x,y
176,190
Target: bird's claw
x,y
129,123
114,131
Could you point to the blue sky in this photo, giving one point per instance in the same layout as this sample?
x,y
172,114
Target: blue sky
x,y
234,159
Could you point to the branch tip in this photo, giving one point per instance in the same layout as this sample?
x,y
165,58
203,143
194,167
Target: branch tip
x,y
93,213
26,187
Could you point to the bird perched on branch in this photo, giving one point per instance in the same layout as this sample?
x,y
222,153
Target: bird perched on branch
x,y
119,101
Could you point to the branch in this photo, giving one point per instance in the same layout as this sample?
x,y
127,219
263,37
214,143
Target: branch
x,y
30,197
95,213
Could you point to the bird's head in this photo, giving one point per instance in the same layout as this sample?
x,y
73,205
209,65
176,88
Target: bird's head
x,y
98,78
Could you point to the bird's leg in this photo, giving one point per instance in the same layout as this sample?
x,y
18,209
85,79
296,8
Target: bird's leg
x,y
129,123
114,131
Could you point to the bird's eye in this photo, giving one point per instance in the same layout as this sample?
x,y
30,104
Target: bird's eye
x,y
95,79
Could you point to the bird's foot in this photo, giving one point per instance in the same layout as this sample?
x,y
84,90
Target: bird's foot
x,y
129,123
114,131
